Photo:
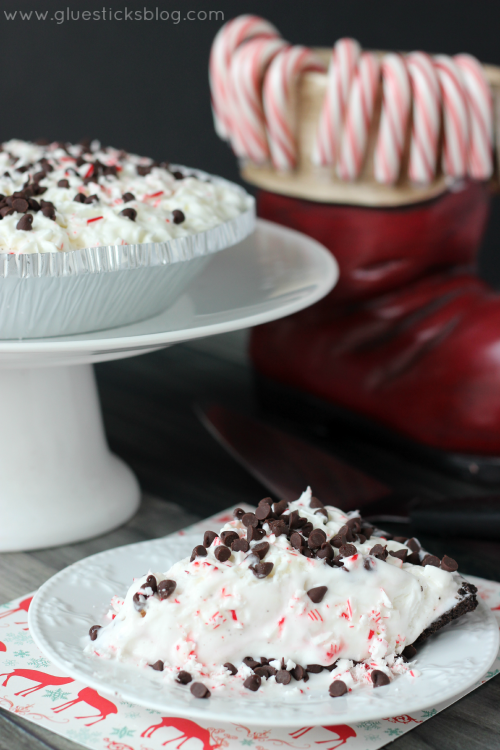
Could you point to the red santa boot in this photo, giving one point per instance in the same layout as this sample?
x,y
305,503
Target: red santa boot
x,y
408,343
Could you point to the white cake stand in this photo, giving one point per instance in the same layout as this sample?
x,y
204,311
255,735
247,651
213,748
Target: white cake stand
x,y
59,483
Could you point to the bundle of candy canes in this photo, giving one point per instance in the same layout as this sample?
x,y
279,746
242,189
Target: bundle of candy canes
x,y
441,107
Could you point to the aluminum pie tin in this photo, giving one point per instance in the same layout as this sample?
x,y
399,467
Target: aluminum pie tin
x,y
82,291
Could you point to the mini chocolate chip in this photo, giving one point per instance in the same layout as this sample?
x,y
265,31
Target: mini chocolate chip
x,y
157,666
208,538
314,668
131,214
347,550
20,205
367,531
143,171
240,545
253,682
263,569
183,677
299,673
150,583
449,564
139,601
401,539
239,513
308,552
250,519
265,501
326,551
331,667
315,503
379,678
249,661
409,652
222,553
49,212
295,521
368,564
231,668
261,549
178,175
199,551
93,632
401,554
283,677
165,588
199,690
280,507
126,197
361,538
255,535
263,512
379,552
354,524
431,560
92,199
6,211
64,184
278,527
178,216
79,198
296,540
263,672
25,223
307,529
414,558
337,688
316,594
228,537
34,205
413,544
316,538
321,512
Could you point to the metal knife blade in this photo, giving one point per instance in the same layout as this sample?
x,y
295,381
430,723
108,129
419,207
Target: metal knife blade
x,y
286,465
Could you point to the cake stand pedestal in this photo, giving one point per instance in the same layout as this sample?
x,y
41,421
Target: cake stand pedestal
x,y
59,482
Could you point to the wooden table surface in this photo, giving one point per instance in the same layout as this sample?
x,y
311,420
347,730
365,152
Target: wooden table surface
x,y
148,412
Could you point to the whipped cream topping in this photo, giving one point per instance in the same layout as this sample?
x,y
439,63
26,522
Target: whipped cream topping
x,y
164,202
354,617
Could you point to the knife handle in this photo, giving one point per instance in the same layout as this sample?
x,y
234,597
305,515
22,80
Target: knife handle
x,y
466,516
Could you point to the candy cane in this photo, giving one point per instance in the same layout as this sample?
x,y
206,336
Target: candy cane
x,y
480,107
279,87
426,118
226,41
455,116
396,98
358,117
248,67
342,68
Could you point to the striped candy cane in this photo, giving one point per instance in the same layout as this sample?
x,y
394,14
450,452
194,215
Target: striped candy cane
x,y
279,86
358,117
342,68
455,116
426,118
396,99
480,108
248,67
226,41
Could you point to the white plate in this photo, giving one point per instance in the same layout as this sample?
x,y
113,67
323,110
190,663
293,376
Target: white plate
x,y
76,598
273,273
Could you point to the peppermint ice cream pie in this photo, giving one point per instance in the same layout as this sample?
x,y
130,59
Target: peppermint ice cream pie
x,y
299,595
61,197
